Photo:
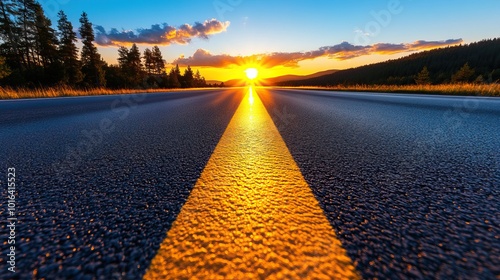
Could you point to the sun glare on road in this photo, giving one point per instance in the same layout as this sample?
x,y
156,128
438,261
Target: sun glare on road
x,y
251,100
252,73
251,214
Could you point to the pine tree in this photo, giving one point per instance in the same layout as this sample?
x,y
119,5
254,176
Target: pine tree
x,y
68,52
9,34
463,75
4,68
197,79
6,23
134,59
92,65
148,61
173,78
46,40
123,57
423,78
158,62
135,66
25,11
188,78
48,49
130,65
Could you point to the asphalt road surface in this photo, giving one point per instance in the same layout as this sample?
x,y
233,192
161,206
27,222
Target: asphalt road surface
x,y
409,184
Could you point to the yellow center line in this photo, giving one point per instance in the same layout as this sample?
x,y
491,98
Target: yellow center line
x,y
251,214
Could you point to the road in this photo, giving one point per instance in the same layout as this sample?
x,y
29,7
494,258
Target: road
x,y
401,186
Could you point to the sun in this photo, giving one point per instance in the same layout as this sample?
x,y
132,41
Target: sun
x,y
252,73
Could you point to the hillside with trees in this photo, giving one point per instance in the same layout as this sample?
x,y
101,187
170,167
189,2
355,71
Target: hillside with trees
x,y
473,63
34,54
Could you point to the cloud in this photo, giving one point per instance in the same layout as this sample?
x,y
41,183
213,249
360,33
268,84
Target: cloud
x,y
157,34
421,45
342,51
204,58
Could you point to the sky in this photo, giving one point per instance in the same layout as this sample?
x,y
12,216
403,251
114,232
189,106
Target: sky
x,y
222,38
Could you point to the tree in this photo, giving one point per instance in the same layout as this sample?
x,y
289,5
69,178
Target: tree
x,y
158,62
46,40
123,57
47,56
188,78
463,75
134,59
9,34
4,68
173,78
92,65
423,78
6,23
199,80
134,66
130,65
25,12
148,61
68,52
115,78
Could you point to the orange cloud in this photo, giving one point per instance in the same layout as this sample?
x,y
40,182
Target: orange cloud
x,y
342,51
160,34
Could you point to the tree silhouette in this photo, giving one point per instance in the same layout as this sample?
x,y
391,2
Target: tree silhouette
x,y
4,68
47,57
33,54
443,63
148,61
130,65
463,75
9,34
134,66
174,77
188,78
92,66
199,81
423,78
68,52
158,62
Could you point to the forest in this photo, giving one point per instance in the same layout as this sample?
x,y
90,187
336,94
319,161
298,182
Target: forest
x,y
34,54
477,63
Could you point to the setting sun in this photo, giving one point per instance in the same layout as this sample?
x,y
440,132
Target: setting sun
x,y
252,73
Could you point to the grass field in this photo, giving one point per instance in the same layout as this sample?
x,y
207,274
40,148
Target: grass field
x,y
450,89
10,93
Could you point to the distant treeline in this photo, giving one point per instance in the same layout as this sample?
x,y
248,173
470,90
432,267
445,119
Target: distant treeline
x,y
33,55
474,63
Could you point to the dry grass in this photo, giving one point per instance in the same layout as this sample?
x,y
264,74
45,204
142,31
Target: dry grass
x,y
10,93
447,89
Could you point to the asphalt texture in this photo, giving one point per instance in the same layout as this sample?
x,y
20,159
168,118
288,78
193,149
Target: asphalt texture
x,y
251,214
411,184
101,179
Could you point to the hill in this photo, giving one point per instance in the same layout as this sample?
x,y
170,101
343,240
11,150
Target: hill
x,y
279,79
476,62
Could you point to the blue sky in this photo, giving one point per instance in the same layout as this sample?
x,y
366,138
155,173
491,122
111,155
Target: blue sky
x,y
262,27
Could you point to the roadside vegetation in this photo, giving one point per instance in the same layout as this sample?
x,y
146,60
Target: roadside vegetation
x,y
445,89
38,59
25,93
466,69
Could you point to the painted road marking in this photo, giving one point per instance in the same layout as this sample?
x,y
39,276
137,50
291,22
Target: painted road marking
x,y
251,214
